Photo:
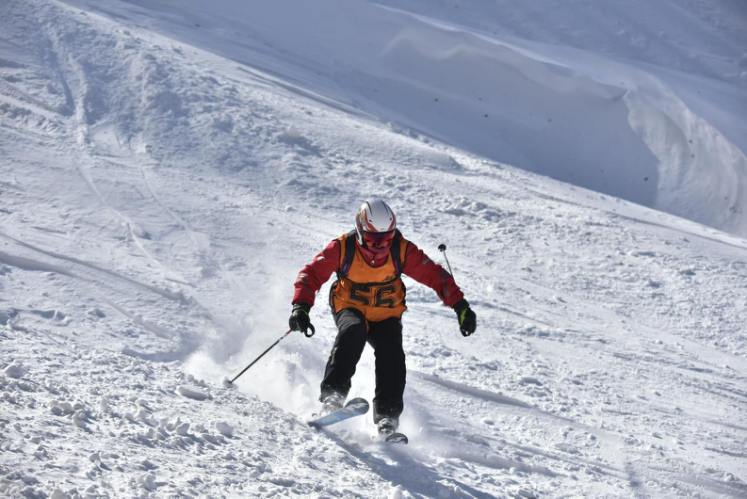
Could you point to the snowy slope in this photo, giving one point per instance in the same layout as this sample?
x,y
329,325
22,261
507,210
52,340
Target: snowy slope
x,y
592,96
167,168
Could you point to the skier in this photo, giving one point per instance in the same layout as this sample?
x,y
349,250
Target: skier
x,y
367,300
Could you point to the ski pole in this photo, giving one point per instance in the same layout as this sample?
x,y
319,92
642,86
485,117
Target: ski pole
x,y
442,249
308,335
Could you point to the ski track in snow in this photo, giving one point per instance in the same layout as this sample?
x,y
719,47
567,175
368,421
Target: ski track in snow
x,y
166,171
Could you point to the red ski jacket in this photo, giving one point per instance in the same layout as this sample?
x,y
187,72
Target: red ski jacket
x,y
414,263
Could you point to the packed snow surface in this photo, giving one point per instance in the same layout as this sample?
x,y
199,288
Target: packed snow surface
x,y
166,169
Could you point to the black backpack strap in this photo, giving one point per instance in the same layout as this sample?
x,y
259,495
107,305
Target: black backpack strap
x,y
396,256
349,253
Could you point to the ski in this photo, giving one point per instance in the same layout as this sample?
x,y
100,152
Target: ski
x,y
354,407
396,438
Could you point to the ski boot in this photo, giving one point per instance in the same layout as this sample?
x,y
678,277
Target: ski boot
x,y
387,426
331,403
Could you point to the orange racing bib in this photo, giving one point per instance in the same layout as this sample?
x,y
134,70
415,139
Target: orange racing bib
x,y
378,292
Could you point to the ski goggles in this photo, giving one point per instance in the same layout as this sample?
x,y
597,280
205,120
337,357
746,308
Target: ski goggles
x,y
378,240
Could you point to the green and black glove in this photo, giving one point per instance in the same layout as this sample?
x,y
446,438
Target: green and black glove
x,y
467,318
299,319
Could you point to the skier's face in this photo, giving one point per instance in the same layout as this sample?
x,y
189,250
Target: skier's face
x,y
378,242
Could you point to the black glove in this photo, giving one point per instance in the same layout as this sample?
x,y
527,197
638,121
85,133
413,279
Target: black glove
x,y
467,318
299,319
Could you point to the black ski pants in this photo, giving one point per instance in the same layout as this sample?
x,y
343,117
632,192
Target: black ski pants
x,y
386,339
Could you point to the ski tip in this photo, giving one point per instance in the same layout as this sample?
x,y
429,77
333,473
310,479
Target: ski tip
x,y
361,404
396,438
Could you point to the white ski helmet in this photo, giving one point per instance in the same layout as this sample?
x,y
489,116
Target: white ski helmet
x,y
374,217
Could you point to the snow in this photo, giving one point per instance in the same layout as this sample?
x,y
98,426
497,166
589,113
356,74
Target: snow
x,y
15,370
167,168
191,392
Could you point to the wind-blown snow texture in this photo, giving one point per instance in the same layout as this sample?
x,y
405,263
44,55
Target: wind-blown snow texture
x,y
166,168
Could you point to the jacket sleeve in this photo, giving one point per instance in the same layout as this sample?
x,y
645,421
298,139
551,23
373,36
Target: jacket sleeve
x,y
424,270
313,276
